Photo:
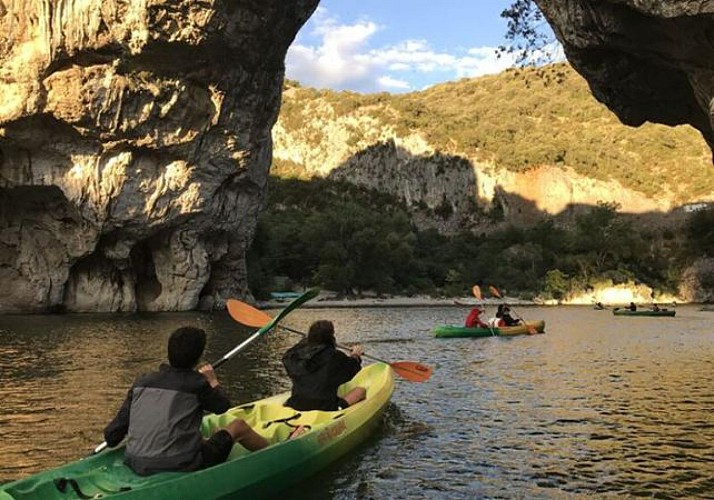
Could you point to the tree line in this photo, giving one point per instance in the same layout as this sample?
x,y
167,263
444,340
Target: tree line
x,y
351,239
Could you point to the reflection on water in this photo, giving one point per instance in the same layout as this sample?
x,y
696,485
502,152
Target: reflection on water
x,y
600,405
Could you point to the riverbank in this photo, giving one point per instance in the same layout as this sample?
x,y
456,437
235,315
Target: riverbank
x,y
331,300
334,301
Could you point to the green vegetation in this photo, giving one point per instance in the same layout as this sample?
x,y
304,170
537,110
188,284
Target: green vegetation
x,y
350,239
520,119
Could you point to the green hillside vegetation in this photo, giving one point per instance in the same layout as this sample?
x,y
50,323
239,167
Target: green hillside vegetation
x,y
351,239
520,119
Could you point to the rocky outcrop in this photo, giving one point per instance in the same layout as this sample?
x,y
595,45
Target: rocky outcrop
x,y
646,60
135,144
447,192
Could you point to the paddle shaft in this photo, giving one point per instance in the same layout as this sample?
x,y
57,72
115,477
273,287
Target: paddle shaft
x,y
237,349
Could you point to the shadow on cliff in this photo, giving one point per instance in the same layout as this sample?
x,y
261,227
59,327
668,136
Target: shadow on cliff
x,y
441,191
444,191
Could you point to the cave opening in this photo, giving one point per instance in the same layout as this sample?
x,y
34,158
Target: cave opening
x,y
147,287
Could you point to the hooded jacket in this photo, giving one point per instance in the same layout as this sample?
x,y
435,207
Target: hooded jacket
x,y
161,419
317,370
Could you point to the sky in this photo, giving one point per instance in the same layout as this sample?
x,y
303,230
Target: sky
x,y
397,45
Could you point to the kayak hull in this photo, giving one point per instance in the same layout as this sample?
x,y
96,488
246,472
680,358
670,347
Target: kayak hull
x,y
627,312
455,331
258,474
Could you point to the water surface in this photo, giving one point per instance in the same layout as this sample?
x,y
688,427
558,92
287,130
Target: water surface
x,y
598,406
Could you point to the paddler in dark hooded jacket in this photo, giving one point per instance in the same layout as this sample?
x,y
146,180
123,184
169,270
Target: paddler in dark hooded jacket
x,y
317,369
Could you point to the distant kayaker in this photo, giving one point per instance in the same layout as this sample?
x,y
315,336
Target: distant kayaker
x,y
161,415
317,369
632,306
473,320
655,307
599,305
504,316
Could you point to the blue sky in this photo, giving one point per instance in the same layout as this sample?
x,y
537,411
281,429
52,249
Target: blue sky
x,y
397,45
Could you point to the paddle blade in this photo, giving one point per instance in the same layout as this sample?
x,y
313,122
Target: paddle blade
x,y
494,291
246,314
476,290
412,371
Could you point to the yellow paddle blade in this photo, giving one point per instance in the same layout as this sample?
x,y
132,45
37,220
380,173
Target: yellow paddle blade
x,y
494,291
246,314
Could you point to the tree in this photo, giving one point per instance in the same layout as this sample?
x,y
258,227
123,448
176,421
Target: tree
x,y
528,35
556,283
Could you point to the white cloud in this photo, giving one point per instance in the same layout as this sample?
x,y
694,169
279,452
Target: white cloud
x,y
341,58
388,82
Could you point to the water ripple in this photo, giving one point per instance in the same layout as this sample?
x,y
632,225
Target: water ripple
x,y
599,406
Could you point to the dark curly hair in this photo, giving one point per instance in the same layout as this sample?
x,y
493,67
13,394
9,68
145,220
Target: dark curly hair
x,y
321,332
186,346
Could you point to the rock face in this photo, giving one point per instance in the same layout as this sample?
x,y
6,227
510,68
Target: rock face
x,y
135,144
646,60
448,192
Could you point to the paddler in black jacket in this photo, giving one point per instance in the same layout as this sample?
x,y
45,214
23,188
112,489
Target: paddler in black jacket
x,y
317,369
161,415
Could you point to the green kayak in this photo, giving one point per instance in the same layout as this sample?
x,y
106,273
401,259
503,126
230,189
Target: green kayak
x,y
451,331
245,474
643,312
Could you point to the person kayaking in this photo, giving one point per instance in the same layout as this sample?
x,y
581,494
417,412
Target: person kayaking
x,y
161,415
632,306
316,369
473,320
599,306
503,316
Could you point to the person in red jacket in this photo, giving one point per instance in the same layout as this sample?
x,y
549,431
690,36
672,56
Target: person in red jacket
x,y
473,320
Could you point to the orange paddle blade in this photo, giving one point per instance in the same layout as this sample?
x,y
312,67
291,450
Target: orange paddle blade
x,y
494,291
477,291
246,314
412,371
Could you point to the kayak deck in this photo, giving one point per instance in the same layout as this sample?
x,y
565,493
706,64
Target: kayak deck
x,y
264,472
453,331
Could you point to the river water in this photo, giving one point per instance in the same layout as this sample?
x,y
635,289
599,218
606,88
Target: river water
x,y
599,406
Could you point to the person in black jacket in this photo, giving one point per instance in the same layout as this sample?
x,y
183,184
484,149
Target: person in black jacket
x,y
161,415
317,369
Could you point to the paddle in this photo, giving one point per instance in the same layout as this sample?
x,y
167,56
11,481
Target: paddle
x,y
310,294
496,293
476,290
264,328
250,316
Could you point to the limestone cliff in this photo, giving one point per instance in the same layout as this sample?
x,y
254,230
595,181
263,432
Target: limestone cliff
x,y
135,143
449,184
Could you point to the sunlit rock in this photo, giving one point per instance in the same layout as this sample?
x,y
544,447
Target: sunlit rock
x,y
134,148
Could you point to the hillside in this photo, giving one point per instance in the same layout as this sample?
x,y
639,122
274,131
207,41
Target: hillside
x,y
510,127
